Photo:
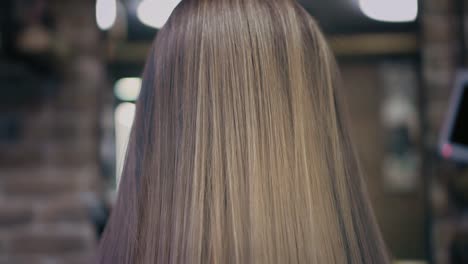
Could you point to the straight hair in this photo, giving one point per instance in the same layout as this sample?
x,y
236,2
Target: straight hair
x,y
239,151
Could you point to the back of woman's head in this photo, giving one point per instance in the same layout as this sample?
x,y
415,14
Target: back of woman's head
x,y
238,152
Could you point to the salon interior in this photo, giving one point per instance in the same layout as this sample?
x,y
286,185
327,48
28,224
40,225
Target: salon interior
x,y
70,75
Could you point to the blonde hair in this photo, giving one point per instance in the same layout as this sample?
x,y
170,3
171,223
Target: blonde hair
x,y
239,152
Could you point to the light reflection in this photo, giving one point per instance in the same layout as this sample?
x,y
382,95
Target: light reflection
x,y
124,115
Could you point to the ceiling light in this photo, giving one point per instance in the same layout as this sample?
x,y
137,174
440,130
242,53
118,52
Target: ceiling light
x,y
155,13
127,89
106,13
390,10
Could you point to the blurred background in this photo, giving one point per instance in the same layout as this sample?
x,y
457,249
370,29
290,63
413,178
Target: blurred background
x,y
69,77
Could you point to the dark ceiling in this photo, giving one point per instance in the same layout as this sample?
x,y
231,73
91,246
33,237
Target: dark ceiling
x,y
334,16
345,17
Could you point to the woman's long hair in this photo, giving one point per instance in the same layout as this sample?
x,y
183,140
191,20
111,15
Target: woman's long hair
x,y
239,152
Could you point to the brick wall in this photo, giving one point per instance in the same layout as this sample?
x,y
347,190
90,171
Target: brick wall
x,y
441,58
50,177
400,214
